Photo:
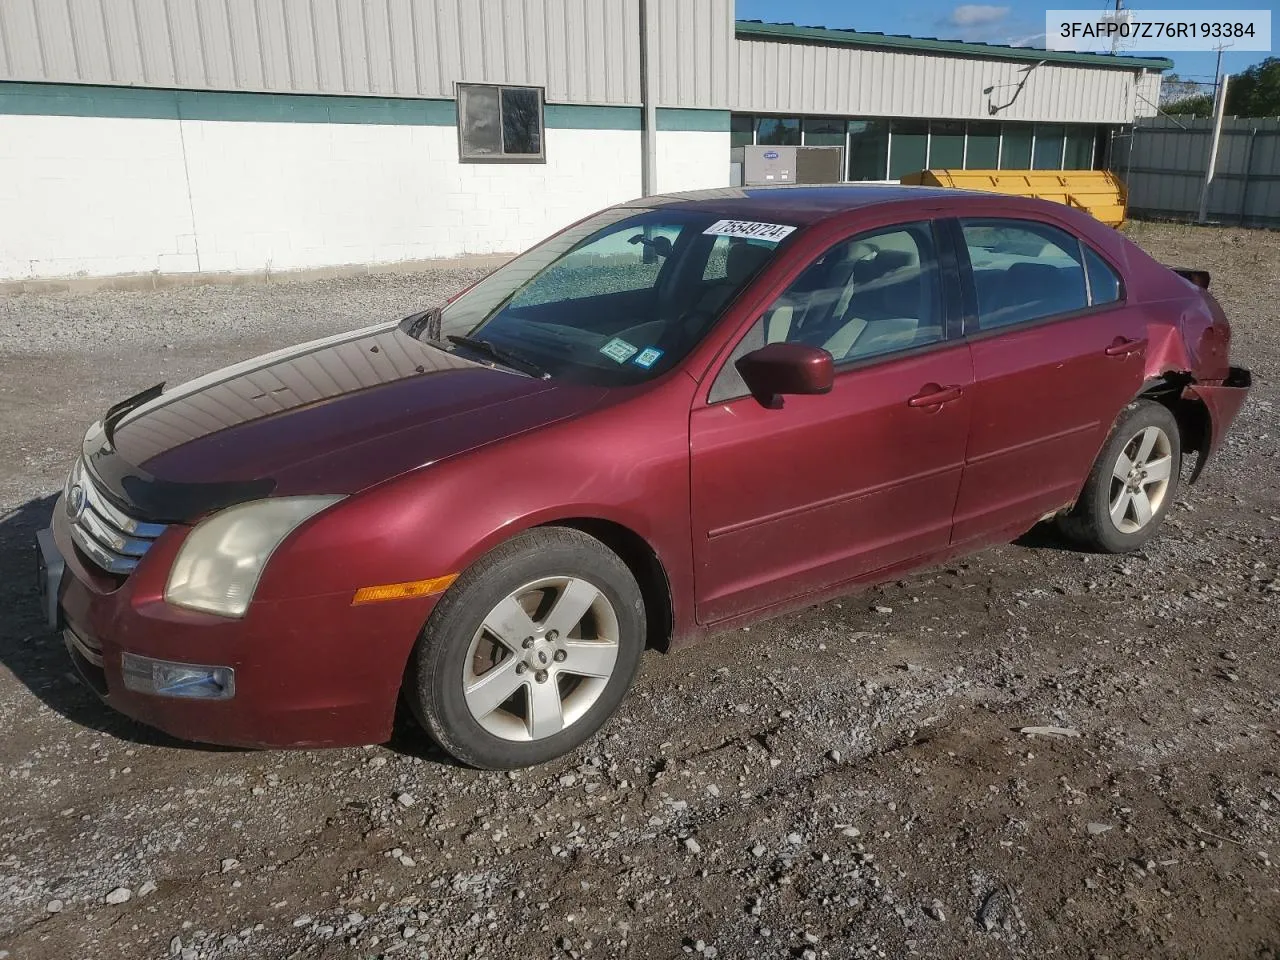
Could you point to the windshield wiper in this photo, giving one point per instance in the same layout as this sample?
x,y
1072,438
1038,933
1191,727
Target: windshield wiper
x,y
502,356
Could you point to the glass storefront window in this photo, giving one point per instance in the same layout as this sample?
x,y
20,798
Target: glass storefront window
x,y
1016,152
908,147
1080,147
1048,154
868,149
741,129
946,145
823,132
984,146
778,131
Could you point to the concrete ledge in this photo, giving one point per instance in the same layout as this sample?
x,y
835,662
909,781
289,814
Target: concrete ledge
x,y
163,281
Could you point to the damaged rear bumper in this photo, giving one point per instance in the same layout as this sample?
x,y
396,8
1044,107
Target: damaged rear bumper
x,y
1222,400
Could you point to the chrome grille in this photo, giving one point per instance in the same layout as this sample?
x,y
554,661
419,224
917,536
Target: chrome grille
x,y
109,537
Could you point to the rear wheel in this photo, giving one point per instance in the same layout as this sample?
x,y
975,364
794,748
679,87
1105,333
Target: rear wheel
x,y
1132,484
530,651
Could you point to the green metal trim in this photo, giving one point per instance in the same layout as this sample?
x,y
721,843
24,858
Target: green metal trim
x,y
710,121
572,116
65,100
756,30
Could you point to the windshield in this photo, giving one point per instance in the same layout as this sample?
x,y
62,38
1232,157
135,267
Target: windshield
x,y
614,300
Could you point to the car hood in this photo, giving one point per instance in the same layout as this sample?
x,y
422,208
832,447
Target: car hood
x,y
332,416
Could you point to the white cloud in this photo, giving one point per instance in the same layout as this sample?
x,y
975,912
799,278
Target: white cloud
x,y
970,15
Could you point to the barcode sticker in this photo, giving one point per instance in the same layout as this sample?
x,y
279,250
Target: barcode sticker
x,y
773,232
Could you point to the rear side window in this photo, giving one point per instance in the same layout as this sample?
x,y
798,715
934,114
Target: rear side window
x,y
1104,283
1024,271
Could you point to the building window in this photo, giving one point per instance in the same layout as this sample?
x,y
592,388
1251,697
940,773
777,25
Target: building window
x,y
742,130
1015,152
823,132
778,132
1048,149
1080,148
946,145
500,123
908,147
868,149
983,152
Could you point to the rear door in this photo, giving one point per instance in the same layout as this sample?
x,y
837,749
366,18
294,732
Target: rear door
x,y
1057,354
826,489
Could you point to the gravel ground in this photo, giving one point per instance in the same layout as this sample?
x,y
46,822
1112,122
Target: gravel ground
x,y
849,781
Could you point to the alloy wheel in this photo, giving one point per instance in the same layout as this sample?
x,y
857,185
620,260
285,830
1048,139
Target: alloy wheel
x,y
541,658
1140,479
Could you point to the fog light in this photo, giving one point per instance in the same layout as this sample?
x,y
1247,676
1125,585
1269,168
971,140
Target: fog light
x,y
188,680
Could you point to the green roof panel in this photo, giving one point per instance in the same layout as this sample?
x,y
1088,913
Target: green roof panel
x,y
758,30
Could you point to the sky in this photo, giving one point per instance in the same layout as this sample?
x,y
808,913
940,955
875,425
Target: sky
x,y
1019,22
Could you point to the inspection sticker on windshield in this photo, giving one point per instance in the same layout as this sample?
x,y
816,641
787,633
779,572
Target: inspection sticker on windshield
x,y
619,351
750,229
647,357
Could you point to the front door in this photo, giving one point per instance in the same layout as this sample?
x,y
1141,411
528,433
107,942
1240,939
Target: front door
x,y
1056,356
827,489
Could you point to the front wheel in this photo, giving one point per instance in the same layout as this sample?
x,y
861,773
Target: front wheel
x,y
1132,484
530,651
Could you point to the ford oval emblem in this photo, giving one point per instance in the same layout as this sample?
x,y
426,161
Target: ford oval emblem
x,y
75,501
771,154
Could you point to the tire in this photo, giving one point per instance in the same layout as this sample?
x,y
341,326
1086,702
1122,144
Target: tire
x,y
1132,484
501,628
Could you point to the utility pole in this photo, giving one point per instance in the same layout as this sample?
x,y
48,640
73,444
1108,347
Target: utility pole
x,y
1219,108
1217,71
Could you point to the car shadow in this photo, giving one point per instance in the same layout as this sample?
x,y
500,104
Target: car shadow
x,y
35,655
1046,536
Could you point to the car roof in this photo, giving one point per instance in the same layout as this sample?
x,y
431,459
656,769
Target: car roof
x,y
800,205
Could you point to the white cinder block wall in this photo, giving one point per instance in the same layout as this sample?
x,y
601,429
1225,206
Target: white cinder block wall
x,y
105,195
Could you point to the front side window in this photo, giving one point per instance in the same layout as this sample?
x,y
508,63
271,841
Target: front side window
x,y
614,300
1024,271
499,123
875,294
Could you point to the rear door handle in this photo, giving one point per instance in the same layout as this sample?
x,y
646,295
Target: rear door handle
x,y
933,395
1122,347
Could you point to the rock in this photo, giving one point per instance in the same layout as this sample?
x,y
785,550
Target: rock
x,y
758,850
148,887
851,832
1097,828
1230,655
1050,731
118,896
881,608
228,864
833,756
303,921
53,906
795,839
406,860
692,845
175,947
405,800
934,910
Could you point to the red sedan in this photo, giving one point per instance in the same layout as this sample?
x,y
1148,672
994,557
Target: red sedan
x,y
678,415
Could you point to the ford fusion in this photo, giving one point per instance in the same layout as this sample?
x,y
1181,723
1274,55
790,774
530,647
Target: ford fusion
x,y
676,416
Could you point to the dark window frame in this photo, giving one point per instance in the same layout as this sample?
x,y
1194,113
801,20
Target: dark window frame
x,y
953,226
503,156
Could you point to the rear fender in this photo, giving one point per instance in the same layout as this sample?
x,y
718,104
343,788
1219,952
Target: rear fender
x,y
1221,401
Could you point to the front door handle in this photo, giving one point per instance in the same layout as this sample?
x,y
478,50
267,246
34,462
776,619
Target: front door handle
x,y
933,395
1122,347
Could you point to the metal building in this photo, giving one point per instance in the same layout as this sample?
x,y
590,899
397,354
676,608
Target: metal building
x,y
196,136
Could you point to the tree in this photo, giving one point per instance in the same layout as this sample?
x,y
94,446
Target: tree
x,y
1198,105
1256,91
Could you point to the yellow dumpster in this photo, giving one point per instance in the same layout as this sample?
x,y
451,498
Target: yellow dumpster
x,y
1096,192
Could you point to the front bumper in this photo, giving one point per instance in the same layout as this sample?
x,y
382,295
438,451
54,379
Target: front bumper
x,y
311,671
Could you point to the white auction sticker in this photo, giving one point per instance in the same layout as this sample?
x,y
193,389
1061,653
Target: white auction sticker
x,y
1157,31
772,232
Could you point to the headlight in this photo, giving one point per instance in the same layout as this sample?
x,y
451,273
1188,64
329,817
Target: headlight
x,y
220,563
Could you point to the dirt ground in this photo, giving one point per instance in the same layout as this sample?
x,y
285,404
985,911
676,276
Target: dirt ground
x,y
837,783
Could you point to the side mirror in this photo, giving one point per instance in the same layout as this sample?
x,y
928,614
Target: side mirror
x,y
786,368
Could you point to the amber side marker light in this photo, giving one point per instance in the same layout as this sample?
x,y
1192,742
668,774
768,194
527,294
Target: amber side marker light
x,y
403,591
